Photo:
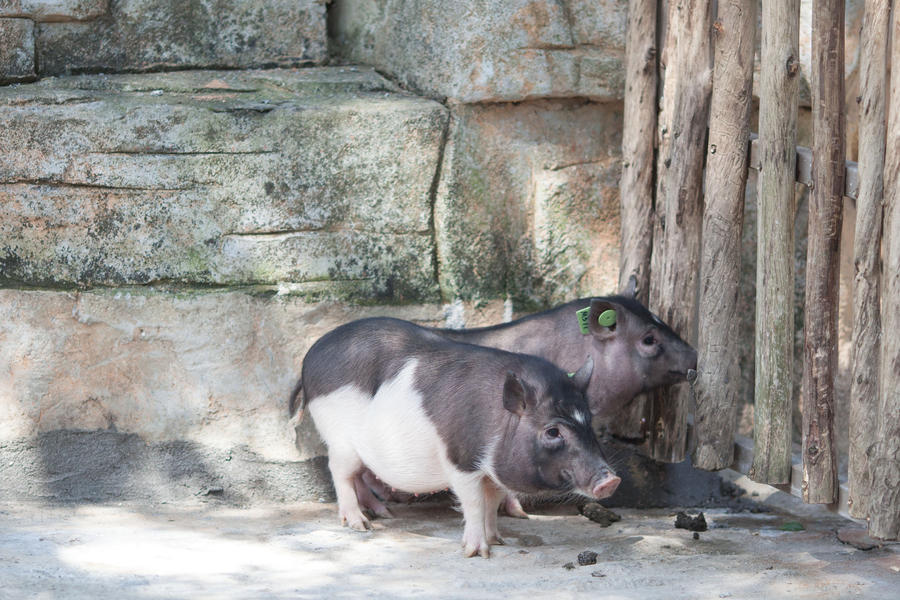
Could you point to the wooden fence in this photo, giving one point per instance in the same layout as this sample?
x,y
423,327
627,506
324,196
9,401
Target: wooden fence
x,y
687,116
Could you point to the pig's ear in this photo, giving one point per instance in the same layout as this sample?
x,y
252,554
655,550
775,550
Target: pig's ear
x,y
630,290
582,377
518,396
612,316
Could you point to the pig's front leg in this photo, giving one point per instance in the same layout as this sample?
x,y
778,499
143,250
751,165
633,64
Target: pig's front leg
x,y
470,490
493,496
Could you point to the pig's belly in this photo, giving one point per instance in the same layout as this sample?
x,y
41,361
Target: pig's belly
x,y
390,432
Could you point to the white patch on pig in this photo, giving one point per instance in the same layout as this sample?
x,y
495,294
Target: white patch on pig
x,y
579,417
390,432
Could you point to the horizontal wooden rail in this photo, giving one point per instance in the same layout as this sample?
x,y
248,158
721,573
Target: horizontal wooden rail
x,y
804,168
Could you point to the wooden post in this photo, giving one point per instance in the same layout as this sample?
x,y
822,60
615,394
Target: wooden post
x,y
636,186
820,482
680,217
884,508
867,254
639,131
779,94
716,387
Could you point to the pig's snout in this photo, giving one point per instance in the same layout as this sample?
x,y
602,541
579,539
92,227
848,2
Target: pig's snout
x,y
605,487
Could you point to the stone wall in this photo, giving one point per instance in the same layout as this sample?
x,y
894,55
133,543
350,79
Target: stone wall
x,y
193,192
57,37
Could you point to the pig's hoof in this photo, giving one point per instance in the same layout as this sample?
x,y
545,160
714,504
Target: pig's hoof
x,y
512,507
361,526
483,551
383,513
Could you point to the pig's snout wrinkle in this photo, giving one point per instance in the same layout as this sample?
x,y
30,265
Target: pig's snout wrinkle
x,y
606,487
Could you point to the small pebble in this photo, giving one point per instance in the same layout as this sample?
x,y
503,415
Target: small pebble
x,y
156,93
696,536
587,558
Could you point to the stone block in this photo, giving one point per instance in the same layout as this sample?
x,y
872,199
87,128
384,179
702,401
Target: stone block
x,y
16,50
213,368
143,35
50,11
221,178
527,206
492,51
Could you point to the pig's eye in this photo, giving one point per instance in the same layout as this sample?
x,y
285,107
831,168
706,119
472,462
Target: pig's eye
x,y
649,340
553,432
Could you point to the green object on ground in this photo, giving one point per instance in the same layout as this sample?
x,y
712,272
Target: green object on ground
x,y
792,526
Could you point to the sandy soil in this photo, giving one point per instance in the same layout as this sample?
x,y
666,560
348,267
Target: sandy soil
x,y
207,549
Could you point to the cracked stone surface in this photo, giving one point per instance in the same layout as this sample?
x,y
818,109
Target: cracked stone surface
x,y
91,36
16,50
528,203
491,51
255,177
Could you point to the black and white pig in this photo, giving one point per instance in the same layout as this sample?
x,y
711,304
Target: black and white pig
x,y
424,413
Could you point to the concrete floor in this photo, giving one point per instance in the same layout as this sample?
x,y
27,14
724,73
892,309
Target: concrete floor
x,y
207,549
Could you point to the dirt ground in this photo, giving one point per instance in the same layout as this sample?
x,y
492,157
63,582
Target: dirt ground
x,y
208,549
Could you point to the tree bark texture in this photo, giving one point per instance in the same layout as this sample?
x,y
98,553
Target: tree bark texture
x,y
779,95
820,482
639,130
867,254
884,509
680,218
636,186
719,374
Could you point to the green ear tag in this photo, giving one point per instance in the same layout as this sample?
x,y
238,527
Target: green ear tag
x,y
571,374
607,318
583,319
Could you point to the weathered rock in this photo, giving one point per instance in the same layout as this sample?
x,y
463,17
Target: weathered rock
x,y
16,50
142,35
211,368
497,50
54,10
527,206
221,178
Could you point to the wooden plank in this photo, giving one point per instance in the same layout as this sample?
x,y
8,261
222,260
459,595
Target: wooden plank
x,y
718,373
884,507
820,454
636,185
680,217
866,344
779,95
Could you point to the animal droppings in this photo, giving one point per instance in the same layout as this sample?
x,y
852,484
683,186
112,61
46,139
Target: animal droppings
x,y
685,521
599,514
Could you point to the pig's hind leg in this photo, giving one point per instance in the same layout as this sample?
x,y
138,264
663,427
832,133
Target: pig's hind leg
x,y
345,466
513,508
367,499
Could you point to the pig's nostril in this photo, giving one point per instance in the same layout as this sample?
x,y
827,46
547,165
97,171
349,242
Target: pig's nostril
x,y
606,487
